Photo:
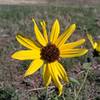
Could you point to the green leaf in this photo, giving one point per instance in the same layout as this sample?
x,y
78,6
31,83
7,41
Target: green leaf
x,y
73,80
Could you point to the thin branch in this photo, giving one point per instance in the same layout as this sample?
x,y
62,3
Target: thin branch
x,y
42,88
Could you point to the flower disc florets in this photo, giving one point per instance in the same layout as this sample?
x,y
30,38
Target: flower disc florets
x,y
95,53
50,53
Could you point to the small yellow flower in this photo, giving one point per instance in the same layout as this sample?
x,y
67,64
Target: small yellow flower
x,y
47,52
95,43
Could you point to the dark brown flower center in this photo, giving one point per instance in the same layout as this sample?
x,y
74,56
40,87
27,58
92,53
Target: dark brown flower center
x,y
50,53
95,53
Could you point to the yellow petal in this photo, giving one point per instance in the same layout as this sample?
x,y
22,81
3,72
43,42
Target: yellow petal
x,y
43,24
26,54
26,42
69,53
57,71
73,44
34,66
94,44
55,78
46,75
98,45
55,31
62,72
64,36
38,34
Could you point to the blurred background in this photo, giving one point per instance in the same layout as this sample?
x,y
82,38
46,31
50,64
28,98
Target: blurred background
x,y
82,2
15,17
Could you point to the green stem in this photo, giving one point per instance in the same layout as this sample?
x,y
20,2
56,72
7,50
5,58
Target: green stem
x,y
46,97
76,97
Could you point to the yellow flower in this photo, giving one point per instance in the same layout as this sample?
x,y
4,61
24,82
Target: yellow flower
x,y
95,44
47,52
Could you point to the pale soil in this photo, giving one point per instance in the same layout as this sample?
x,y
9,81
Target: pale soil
x,y
22,1
49,1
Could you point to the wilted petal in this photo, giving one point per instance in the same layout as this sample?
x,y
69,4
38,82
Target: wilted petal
x,y
55,78
43,24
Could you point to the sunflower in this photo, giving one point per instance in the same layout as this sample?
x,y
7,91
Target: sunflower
x,y
95,44
47,52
